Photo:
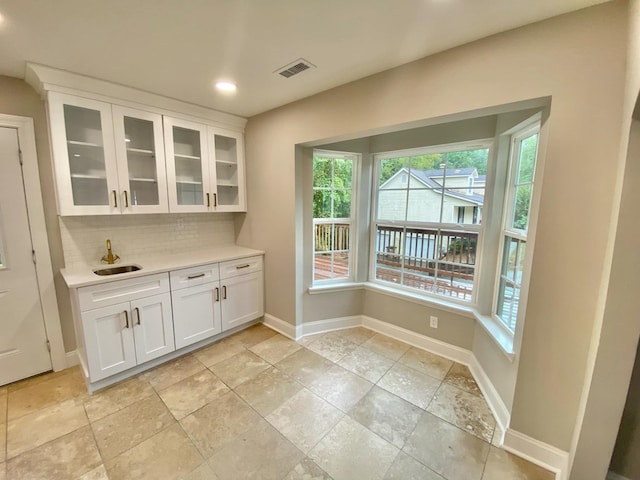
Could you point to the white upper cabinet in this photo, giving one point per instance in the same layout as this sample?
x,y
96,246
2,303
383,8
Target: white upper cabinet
x,y
140,158
227,170
108,159
187,166
84,154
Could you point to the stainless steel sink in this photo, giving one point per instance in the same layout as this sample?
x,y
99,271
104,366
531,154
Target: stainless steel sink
x,y
117,270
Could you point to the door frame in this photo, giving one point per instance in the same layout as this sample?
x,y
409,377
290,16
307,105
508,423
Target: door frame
x,y
35,208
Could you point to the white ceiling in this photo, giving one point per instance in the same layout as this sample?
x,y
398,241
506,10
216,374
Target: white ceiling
x,y
179,48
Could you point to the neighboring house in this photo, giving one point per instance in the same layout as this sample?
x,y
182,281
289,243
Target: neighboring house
x,y
463,196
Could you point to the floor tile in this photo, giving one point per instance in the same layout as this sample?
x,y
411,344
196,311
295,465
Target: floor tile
x,y
308,339
253,335
357,335
167,455
45,393
307,470
98,473
219,351
304,419
449,451
387,415
502,465
3,471
465,410
261,452
412,385
275,348
65,458
460,376
203,472
3,408
192,393
112,399
366,363
304,365
426,362
408,468
239,368
42,426
332,347
350,451
126,428
43,377
386,346
219,423
340,387
268,390
172,372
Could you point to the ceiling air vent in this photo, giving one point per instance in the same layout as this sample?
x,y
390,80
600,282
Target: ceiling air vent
x,y
294,68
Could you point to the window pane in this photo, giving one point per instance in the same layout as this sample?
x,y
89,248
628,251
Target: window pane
x,y
389,172
526,167
510,281
322,204
392,204
323,237
467,161
424,206
521,204
343,172
427,162
322,172
341,204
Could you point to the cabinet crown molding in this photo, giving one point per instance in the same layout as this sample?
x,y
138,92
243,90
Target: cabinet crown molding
x,y
45,79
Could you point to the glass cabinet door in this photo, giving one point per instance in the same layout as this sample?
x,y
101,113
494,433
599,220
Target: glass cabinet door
x,y
228,174
187,166
140,152
82,134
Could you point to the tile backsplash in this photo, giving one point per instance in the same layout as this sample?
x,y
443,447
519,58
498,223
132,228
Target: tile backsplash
x,y
84,238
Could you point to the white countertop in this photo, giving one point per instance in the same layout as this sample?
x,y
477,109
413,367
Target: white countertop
x,y
82,275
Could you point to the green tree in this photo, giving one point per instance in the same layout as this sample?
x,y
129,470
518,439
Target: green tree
x,y
332,179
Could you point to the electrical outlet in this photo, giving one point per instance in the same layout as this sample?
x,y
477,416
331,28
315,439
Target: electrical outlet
x,y
433,321
180,224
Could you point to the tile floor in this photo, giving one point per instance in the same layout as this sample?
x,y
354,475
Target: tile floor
x,y
347,405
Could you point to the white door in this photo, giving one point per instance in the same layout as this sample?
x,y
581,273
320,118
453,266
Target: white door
x,y
108,333
152,327
242,299
196,313
23,339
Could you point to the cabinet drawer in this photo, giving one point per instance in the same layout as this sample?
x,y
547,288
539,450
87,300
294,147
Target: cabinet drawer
x,y
97,296
233,268
188,277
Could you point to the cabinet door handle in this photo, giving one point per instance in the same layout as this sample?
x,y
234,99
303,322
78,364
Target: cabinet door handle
x,y
126,319
126,199
215,199
199,275
208,200
246,265
137,310
217,294
224,292
115,199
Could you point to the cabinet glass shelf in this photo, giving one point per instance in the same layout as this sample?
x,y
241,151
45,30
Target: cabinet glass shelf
x,y
186,157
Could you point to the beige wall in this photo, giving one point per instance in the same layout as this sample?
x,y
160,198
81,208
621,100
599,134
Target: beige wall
x,y
578,60
18,98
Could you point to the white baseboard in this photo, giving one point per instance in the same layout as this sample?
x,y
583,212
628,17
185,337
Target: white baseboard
x,y
614,476
72,359
432,345
329,325
537,452
497,406
280,326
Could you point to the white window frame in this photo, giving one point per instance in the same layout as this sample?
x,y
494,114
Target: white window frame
x,y
506,230
378,158
351,221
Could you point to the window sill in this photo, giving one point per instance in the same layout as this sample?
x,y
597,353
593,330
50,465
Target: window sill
x,y
502,338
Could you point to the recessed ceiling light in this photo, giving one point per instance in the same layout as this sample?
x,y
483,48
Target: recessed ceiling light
x,y
226,86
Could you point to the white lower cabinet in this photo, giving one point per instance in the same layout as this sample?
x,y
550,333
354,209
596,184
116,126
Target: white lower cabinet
x,y
121,336
124,323
196,313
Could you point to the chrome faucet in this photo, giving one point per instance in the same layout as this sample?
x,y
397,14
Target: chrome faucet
x,y
109,258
